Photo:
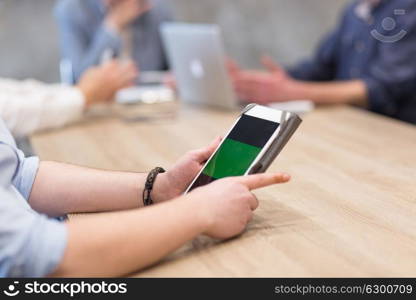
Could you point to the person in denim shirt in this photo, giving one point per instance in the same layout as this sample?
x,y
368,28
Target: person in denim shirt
x,y
369,60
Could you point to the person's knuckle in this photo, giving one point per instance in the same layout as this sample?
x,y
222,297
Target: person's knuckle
x,y
250,216
255,202
190,153
228,182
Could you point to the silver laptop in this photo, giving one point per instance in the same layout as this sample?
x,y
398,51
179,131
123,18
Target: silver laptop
x,y
197,57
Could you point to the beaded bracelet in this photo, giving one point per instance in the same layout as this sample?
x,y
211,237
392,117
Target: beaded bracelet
x,y
151,178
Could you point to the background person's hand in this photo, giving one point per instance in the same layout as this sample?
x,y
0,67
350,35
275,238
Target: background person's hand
x,y
123,12
228,204
273,85
100,84
169,80
174,182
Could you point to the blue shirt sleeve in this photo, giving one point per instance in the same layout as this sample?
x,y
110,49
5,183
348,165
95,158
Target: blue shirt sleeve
x,y
15,168
77,47
31,245
392,75
26,173
321,67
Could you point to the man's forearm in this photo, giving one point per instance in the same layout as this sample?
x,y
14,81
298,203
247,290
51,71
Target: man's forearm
x,y
347,92
60,189
118,243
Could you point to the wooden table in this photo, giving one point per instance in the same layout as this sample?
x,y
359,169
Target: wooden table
x,y
350,209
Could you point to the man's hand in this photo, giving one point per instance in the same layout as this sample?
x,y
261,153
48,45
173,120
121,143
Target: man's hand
x,y
262,87
221,210
227,205
99,84
170,81
123,12
174,182
276,85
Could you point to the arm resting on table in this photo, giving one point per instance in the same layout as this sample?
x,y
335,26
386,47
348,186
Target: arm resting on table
x,y
60,189
119,243
341,92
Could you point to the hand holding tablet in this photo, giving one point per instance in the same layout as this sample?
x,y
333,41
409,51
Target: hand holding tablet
x,y
252,144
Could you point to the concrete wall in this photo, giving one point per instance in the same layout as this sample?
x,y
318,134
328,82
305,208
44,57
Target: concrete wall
x,y
287,29
28,40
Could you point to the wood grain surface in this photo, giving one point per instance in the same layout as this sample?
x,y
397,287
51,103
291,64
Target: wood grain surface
x,y
350,209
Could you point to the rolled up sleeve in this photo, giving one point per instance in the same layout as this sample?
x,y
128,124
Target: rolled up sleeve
x,y
379,97
16,170
25,176
31,245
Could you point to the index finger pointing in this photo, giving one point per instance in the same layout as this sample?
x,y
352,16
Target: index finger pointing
x,y
257,181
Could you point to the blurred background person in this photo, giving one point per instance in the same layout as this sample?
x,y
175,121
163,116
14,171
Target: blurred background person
x,y
280,33
369,60
28,106
92,31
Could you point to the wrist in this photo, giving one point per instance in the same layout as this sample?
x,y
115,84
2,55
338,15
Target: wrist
x,y
303,90
161,188
87,95
295,90
198,208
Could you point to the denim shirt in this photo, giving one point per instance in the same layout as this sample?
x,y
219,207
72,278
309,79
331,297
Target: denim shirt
x,y
379,50
31,244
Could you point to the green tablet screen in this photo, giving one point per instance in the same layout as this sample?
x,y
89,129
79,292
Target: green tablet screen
x,y
238,150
